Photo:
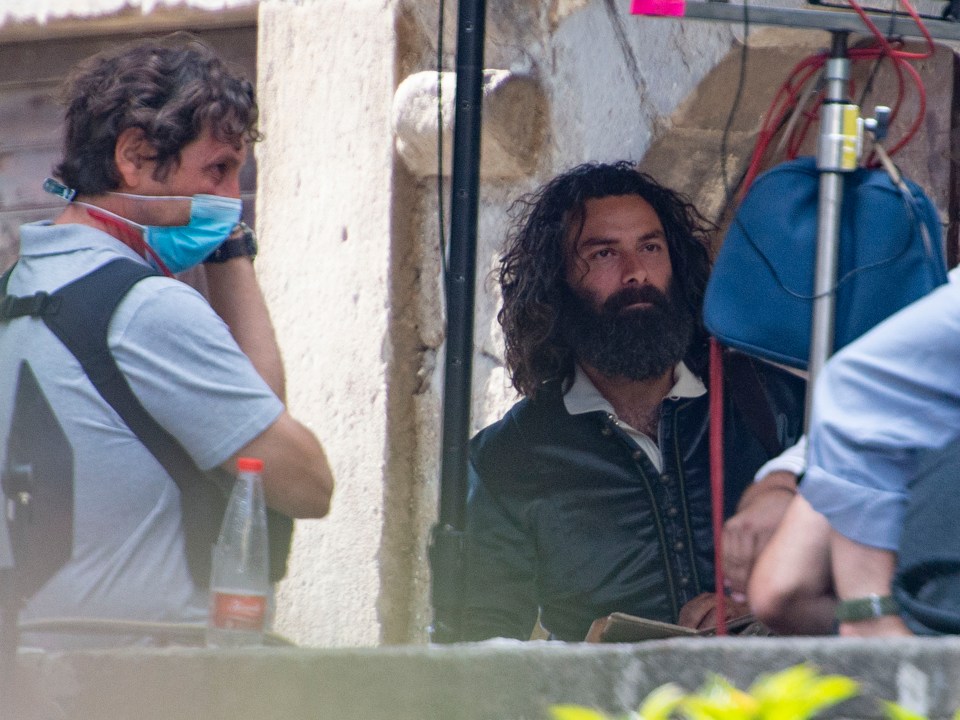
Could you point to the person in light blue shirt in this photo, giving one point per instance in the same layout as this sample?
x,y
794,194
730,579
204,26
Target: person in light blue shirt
x,y
156,133
884,442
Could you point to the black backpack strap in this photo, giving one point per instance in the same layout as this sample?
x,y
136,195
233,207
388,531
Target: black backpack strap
x,y
5,278
91,301
79,315
81,321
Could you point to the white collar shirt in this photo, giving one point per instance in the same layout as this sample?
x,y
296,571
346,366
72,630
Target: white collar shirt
x,y
583,397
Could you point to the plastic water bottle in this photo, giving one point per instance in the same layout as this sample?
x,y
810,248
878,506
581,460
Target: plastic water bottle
x,y
239,580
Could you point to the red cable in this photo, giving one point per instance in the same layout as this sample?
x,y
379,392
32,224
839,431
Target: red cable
x,y
887,49
783,104
799,134
716,479
899,58
787,96
923,30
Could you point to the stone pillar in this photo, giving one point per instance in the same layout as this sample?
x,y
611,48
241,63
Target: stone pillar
x,y
347,213
326,80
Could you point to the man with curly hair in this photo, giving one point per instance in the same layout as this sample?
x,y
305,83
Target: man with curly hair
x,y
156,134
592,494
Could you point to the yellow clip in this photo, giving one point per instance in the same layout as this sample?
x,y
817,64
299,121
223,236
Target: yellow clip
x,y
852,132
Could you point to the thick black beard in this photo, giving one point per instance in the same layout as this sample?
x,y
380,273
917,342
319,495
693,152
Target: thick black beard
x,y
637,344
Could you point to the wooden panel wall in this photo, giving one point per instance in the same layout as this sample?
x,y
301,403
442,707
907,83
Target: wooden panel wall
x,y
31,74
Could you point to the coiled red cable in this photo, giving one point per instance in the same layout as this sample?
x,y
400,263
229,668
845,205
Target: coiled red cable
x,y
794,98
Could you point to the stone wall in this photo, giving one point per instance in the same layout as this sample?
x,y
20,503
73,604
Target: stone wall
x,y
348,216
497,680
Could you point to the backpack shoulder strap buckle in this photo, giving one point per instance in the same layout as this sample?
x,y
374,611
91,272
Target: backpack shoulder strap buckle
x,y
37,305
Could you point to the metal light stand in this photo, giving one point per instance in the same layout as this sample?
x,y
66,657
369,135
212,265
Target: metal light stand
x,y
838,152
446,542
839,141
829,20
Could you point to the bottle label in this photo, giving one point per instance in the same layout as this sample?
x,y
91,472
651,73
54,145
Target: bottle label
x,y
237,611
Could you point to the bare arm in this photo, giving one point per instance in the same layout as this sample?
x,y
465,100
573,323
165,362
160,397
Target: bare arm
x,y
297,478
790,588
859,571
235,295
759,512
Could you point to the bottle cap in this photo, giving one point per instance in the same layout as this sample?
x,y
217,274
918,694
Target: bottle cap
x,y
247,464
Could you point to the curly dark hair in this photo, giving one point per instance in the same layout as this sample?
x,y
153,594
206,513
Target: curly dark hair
x,y
172,89
532,268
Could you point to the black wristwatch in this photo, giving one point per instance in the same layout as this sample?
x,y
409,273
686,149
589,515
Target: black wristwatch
x,y
241,243
866,608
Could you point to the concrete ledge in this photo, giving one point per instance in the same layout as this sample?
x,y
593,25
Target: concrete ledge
x,y
486,681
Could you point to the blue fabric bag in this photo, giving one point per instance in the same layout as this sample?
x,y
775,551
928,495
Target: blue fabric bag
x,y
760,295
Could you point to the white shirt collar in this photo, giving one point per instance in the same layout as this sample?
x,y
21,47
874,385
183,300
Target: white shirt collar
x,y
583,396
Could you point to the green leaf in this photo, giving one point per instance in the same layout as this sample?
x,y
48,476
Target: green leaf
x,y
576,712
660,703
895,711
719,700
799,693
783,684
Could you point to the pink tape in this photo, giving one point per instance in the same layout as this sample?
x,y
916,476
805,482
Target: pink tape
x,y
674,8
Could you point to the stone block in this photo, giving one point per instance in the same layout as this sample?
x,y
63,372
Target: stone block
x,y
513,115
496,680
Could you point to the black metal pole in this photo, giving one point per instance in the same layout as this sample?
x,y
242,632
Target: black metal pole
x,y
446,548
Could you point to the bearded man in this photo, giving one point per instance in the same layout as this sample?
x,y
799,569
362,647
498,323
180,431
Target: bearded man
x,y
592,494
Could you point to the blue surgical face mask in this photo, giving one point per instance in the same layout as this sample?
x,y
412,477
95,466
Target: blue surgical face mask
x,y
178,247
181,247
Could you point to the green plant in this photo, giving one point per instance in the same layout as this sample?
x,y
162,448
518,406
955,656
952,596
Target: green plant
x,y
897,712
658,705
797,693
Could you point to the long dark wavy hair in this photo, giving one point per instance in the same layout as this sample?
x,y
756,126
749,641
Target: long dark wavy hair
x,y
172,89
532,268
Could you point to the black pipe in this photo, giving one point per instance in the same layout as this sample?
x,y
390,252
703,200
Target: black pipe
x,y
446,548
